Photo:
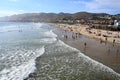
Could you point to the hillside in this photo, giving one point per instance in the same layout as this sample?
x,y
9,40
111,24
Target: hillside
x,y
53,17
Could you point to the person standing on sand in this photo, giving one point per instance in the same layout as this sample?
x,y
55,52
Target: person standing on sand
x,y
117,51
85,44
101,41
76,35
105,40
113,42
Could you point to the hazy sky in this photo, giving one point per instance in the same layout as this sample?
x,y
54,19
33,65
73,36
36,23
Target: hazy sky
x,y
10,7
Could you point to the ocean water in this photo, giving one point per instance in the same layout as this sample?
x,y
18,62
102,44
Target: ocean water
x,y
32,51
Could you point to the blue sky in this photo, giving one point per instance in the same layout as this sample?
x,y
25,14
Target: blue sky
x,y
10,7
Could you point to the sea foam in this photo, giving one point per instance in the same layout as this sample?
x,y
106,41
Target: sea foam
x,y
94,64
22,71
50,34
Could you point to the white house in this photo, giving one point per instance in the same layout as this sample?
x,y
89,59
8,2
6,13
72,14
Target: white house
x,y
116,23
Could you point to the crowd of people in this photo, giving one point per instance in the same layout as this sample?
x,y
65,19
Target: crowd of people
x,y
103,36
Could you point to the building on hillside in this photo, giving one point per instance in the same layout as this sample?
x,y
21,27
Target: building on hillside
x,y
116,23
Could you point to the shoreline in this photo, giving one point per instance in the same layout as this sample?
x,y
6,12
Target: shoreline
x,y
104,36
66,64
104,53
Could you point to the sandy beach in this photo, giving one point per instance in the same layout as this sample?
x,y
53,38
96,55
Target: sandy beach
x,y
102,35
105,52
67,57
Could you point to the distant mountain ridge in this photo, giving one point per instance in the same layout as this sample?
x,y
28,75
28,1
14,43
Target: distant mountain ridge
x,y
53,17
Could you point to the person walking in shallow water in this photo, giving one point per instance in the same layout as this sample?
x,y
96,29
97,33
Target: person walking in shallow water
x,y
65,36
85,44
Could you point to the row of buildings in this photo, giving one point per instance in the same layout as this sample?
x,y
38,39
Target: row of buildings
x,y
101,24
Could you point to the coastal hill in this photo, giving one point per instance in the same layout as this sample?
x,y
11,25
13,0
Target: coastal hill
x,y
54,17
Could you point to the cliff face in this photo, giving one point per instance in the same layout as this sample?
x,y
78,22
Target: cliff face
x,y
53,17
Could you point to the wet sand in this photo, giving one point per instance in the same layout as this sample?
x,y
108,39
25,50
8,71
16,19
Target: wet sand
x,y
112,37
62,63
104,53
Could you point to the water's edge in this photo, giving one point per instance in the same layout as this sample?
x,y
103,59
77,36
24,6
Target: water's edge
x,y
81,54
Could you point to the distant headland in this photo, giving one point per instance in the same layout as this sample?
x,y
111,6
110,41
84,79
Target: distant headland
x,y
59,17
